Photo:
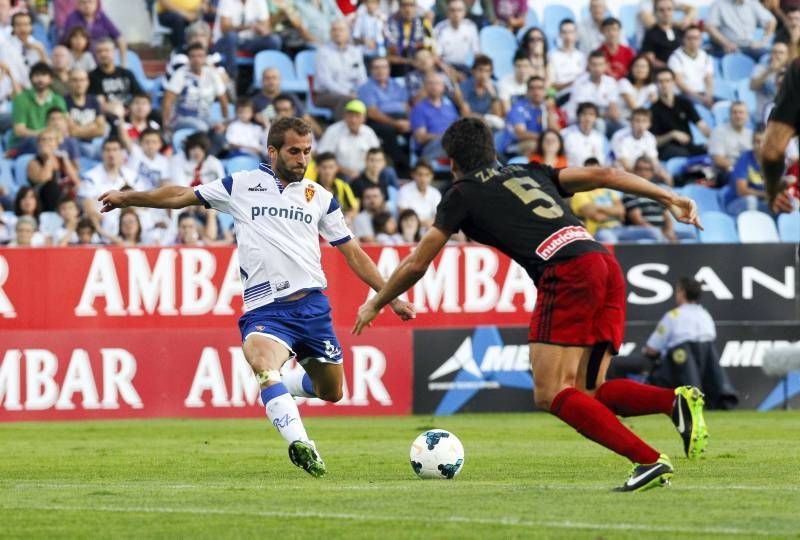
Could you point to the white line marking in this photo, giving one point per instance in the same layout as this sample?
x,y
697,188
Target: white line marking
x,y
502,521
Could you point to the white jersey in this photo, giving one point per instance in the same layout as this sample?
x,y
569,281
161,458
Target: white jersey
x,y
687,322
277,231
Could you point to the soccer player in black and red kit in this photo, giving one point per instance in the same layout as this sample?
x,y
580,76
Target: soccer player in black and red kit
x,y
783,124
579,318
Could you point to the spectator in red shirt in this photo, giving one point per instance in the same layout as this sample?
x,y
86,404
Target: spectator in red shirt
x,y
618,56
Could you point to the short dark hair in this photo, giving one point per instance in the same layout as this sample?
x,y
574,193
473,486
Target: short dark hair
x,y
64,199
692,27
75,31
641,111
244,101
142,95
277,132
661,70
187,215
565,22
521,55
422,164
591,162
195,46
380,219
610,21
85,223
470,144
149,131
533,78
376,150
198,139
597,54
585,106
111,140
325,156
19,14
41,68
692,288
482,60
283,97
370,187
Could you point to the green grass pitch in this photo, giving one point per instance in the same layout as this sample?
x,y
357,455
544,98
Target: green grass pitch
x,y
526,476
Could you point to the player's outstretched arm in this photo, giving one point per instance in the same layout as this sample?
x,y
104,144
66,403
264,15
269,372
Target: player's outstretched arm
x,y
365,269
163,197
410,270
574,179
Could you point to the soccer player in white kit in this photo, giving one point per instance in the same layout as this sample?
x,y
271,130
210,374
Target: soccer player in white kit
x,y
279,216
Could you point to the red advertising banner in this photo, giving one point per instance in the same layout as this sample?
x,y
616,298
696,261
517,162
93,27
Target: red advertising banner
x,y
129,288
59,375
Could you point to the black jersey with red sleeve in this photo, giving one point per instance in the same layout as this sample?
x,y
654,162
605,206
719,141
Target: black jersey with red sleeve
x,y
520,210
787,102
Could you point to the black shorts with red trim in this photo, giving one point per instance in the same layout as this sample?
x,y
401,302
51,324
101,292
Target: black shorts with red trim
x,y
580,302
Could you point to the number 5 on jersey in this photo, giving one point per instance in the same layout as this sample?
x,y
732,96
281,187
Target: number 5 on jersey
x,y
528,191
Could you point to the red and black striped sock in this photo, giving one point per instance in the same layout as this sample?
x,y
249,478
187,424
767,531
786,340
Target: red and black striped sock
x,y
595,421
630,398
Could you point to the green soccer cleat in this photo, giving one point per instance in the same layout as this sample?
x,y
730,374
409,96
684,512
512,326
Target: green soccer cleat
x,y
305,455
644,477
687,415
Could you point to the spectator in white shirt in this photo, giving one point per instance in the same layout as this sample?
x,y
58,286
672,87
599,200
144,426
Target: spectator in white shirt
x,y
693,68
419,195
190,93
109,174
589,29
372,203
515,84
243,25
732,25
566,62
764,80
244,136
194,166
596,87
340,70
145,158
637,89
30,49
631,143
581,140
729,140
456,37
369,28
349,139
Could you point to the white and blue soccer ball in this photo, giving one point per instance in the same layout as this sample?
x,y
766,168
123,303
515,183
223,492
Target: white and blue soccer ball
x,y
437,453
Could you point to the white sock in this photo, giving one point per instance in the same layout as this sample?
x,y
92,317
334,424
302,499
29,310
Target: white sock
x,y
283,414
298,383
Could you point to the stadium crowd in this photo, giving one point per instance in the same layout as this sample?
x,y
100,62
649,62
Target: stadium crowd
x,y
676,94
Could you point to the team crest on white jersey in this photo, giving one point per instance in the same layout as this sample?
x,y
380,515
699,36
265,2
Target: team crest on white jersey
x,y
310,192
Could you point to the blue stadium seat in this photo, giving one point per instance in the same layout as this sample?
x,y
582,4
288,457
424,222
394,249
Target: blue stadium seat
x,y
135,65
724,89
216,112
674,166
697,135
7,177
789,227
241,163
687,234
721,110
305,66
552,17
21,169
178,137
705,197
628,14
756,227
85,164
39,32
737,66
531,18
49,223
518,160
499,44
719,228
744,94
290,81
705,114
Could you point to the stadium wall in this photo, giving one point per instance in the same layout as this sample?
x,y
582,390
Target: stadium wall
x,y
132,333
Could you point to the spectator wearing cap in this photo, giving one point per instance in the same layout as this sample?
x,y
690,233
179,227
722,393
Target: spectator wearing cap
x,y
243,25
89,15
30,107
387,108
340,70
456,37
661,39
733,25
693,68
431,117
672,115
350,139
618,56
566,62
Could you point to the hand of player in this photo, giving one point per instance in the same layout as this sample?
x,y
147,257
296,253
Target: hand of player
x,y
405,310
684,210
366,314
111,200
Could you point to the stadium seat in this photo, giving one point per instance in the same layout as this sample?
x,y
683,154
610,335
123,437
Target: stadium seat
x,y
178,137
49,223
86,164
135,65
719,228
705,114
674,166
216,112
552,17
789,227
531,18
290,81
305,67
7,177
705,197
744,94
518,160
39,32
756,227
737,66
697,135
724,89
721,110
687,234
628,15
241,163
21,169
499,44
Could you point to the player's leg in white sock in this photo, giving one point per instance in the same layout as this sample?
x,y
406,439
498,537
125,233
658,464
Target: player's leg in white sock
x,y
282,412
298,383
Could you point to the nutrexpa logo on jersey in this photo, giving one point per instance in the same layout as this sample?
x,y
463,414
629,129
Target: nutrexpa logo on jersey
x,y
485,369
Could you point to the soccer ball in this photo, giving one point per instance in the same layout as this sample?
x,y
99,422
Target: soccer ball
x,y
437,454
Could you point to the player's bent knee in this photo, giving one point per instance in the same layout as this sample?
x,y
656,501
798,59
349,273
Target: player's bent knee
x,y
330,394
543,396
